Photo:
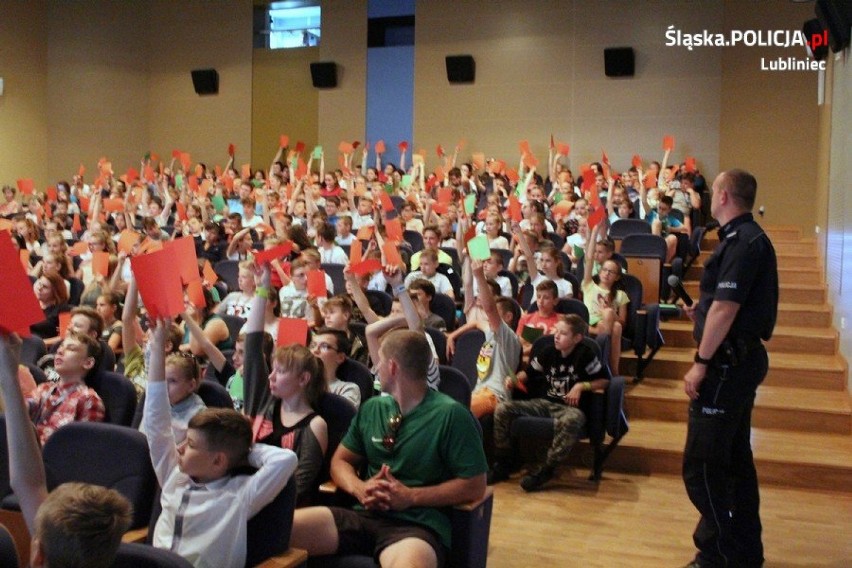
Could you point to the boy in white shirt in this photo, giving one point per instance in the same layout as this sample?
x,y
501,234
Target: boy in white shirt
x,y
206,503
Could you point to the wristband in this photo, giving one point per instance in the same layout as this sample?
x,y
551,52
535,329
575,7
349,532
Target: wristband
x,y
398,290
262,292
701,360
587,386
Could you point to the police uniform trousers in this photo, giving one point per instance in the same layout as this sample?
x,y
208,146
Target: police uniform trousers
x,y
718,465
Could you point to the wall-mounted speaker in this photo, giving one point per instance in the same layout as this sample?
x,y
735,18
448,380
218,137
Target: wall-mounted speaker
x,y
461,69
324,74
619,61
836,17
205,81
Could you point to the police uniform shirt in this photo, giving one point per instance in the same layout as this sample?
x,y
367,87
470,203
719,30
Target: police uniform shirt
x,y
743,269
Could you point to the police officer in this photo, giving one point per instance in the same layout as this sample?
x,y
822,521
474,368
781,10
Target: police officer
x,y
737,309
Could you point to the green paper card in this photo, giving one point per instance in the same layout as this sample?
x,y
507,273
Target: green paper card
x,y
317,153
179,179
218,203
521,188
257,183
578,251
478,248
470,204
406,181
530,334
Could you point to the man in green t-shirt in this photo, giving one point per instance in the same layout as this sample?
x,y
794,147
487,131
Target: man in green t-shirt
x,y
422,453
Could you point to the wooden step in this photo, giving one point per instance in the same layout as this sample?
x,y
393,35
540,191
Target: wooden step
x,y
780,408
794,459
798,293
784,233
823,372
799,275
804,315
785,339
785,260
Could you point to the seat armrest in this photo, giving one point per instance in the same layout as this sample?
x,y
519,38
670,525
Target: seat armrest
x,y
616,422
489,493
138,536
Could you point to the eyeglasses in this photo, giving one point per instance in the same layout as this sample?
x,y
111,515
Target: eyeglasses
x,y
610,270
389,439
324,347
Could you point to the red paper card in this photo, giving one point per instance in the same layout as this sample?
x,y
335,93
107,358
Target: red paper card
x,y
231,150
64,322
393,229
159,284
195,293
185,161
181,211
199,170
445,194
299,147
512,175
182,253
380,147
563,149
132,175
113,205
478,159
469,234
150,245
440,151
148,174
292,331
604,157
51,194
192,181
650,180
514,208
524,146
345,148
25,258
264,256
530,161
403,146
668,142
155,157
690,164
316,283
100,263
283,141
392,255
596,216
176,154
365,233
301,169
387,204
355,252
366,267
26,186
78,248
637,161
209,274
17,315
127,240
81,170
441,207
76,227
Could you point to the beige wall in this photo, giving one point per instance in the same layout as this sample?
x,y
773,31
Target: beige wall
x,y
23,67
284,100
200,34
539,70
343,110
770,120
97,92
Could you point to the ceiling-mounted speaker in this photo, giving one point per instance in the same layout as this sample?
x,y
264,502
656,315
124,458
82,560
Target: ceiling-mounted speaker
x,y
619,61
205,81
461,69
324,74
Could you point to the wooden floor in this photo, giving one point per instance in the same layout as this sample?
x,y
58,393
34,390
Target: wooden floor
x,y
647,521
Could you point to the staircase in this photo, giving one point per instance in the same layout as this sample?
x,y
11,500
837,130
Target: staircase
x,y
802,420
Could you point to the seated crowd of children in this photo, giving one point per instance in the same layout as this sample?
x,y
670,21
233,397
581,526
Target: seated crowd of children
x,y
546,242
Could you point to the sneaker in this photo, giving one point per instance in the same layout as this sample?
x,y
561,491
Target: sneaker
x,y
498,472
534,481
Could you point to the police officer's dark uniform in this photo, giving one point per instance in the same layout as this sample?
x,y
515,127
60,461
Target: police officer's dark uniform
x,y
718,466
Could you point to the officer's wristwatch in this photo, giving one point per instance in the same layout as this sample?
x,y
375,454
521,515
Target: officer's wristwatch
x,y
701,360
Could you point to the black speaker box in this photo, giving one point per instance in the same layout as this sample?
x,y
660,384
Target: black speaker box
x,y
461,69
836,17
324,74
205,81
619,61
